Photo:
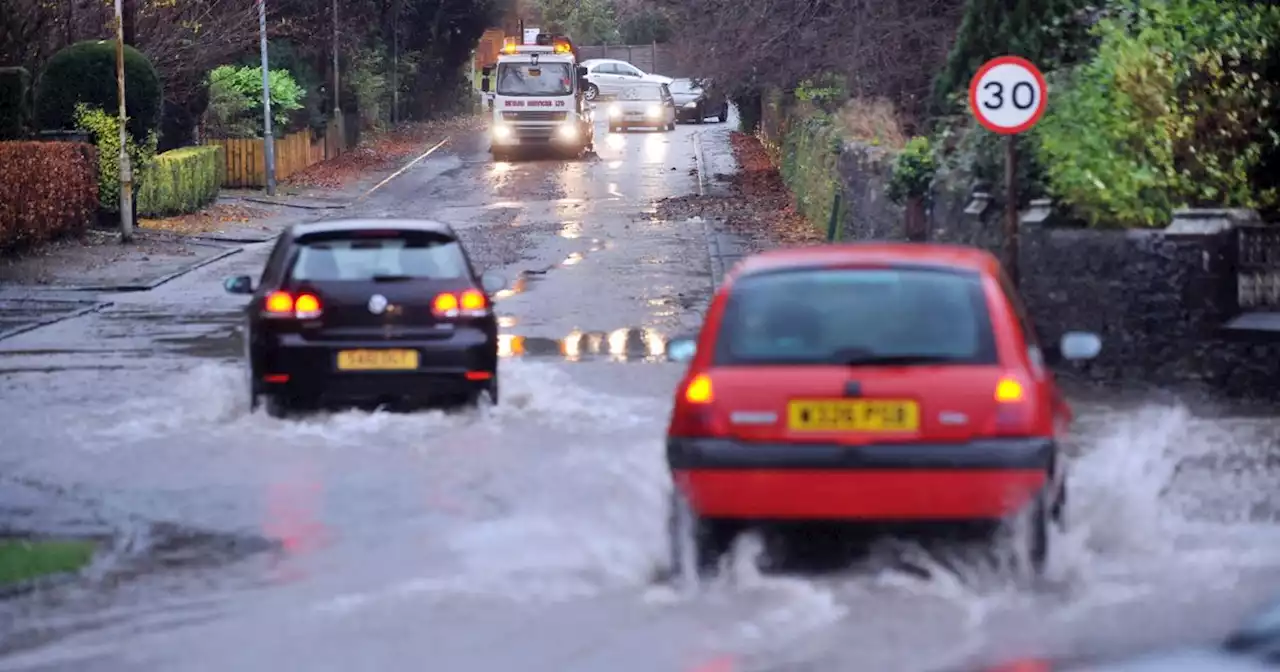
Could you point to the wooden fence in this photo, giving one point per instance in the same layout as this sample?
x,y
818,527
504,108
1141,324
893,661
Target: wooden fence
x,y
658,59
246,157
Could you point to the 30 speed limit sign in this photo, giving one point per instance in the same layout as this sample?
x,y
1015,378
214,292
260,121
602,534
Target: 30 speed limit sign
x,y
1008,95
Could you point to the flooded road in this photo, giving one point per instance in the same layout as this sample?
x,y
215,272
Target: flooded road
x,y
528,536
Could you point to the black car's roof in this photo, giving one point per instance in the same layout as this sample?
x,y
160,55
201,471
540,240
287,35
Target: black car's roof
x,y
340,225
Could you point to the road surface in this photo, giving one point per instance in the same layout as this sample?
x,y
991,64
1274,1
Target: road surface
x,y
528,537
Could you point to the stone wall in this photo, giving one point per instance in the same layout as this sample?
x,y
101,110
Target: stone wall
x,y
1158,298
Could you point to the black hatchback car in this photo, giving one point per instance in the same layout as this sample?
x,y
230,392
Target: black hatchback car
x,y
357,312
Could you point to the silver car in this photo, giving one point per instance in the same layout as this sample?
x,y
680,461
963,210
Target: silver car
x,y
643,105
607,77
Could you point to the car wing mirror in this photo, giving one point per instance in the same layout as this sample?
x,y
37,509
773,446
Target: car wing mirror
x,y
682,348
1079,345
240,284
493,282
484,85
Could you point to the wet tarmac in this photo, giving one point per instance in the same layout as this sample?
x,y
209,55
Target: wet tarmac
x,y
528,536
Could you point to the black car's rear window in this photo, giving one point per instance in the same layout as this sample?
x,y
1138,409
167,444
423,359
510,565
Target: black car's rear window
x,y
366,256
856,316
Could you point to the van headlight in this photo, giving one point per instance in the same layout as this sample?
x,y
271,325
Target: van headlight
x,y
615,110
501,132
567,132
655,111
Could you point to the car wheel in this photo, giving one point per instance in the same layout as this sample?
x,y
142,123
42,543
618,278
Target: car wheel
x,y
700,115
671,126
486,396
277,406
696,544
1032,536
593,92
724,114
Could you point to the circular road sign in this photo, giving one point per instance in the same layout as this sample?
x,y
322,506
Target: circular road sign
x,y
1008,95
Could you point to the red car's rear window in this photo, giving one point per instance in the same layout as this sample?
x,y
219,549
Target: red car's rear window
x,y
850,316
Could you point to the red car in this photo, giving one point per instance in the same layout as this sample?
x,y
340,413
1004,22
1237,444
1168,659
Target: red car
x,y
877,383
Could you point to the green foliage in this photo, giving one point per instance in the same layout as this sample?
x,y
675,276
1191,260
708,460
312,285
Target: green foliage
x,y
584,21
368,82
826,91
14,109
913,171
1049,33
85,73
235,99
105,129
810,165
1172,111
181,181
644,27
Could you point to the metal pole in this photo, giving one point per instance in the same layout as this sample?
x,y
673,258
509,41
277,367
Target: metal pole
x,y
337,109
1011,208
268,140
395,65
126,173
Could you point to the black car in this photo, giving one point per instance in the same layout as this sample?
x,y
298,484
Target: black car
x,y
369,311
696,100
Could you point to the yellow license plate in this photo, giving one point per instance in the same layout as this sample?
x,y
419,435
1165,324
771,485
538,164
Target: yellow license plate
x,y
377,360
854,415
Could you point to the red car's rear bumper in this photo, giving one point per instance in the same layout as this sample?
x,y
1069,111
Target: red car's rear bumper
x,y
984,480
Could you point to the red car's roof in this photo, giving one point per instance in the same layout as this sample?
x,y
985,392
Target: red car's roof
x,y
953,256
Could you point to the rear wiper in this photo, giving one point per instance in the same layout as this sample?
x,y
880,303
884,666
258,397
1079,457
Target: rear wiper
x,y
898,360
391,278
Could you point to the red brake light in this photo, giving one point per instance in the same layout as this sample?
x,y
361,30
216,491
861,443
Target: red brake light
x,y
280,303
466,304
283,304
472,300
699,391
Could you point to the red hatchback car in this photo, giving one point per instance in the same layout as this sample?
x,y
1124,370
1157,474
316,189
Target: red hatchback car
x,y
876,383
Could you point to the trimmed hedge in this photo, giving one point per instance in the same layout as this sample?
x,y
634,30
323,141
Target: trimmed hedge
x,y
14,109
85,72
181,181
47,190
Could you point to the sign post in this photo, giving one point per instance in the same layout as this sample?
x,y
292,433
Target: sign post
x,y
1008,96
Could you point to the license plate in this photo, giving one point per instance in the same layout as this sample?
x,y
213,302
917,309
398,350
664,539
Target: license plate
x,y
854,415
377,360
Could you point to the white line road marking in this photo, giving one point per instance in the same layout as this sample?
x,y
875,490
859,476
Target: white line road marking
x,y
407,166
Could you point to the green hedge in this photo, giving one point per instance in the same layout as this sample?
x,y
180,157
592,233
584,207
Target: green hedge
x,y
181,181
810,165
14,99
47,190
85,73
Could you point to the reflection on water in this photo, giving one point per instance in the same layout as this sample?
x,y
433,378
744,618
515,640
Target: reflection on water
x,y
622,345
574,258
517,287
507,321
292,518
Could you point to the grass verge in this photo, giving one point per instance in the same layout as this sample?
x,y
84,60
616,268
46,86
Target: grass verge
x,y
22,560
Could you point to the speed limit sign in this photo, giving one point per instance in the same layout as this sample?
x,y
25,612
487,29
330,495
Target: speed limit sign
x,y
1008,95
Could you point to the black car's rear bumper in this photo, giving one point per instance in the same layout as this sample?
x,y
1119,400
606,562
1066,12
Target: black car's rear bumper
x,y
461,364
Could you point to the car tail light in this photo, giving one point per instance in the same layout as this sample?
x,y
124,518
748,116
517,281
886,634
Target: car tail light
x,y
470,303
695,413
1015,413
285,305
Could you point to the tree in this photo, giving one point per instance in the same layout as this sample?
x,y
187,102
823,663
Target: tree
x,y
585,21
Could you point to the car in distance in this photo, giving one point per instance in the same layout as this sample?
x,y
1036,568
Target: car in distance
x,y
369,311
606,77
646,105
866,383
694,102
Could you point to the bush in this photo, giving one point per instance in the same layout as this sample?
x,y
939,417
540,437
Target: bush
x,y
1172,111
85,73
235,100
14,110
913,171
181,181
810,165
105,129
47,190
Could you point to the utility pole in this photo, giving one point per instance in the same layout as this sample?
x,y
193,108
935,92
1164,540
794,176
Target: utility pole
x,y
126,174
337,109
268,140
395,63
